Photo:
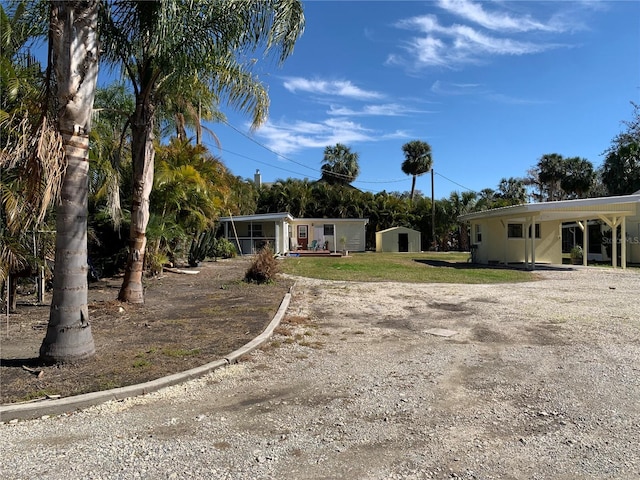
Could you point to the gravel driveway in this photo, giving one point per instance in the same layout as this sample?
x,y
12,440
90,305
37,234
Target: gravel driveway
x,y
540,381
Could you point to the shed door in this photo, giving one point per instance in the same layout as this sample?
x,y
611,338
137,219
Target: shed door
x,y
303,236
403,242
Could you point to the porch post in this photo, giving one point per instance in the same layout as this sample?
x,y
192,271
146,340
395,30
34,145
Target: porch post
x,y
253,247
533,243
585,243
614,241
623,235
527,225
505,250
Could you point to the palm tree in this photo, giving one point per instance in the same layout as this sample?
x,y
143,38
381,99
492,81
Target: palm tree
x,y
579,177
110,149
21,82
461,204
74,53
551,169
339,165
157,43
417,161
512,191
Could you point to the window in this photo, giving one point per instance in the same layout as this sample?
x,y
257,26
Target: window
x,y
255,230
328,229
478,233
537,230
514,230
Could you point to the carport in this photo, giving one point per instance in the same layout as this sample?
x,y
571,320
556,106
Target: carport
x,y
492,231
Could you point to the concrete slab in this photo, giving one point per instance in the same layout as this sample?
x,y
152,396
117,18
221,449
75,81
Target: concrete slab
x,y
441,332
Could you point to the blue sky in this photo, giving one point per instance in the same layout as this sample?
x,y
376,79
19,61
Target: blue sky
x,y
491,86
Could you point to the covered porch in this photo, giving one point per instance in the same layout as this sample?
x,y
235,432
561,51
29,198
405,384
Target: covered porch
x,y
533,232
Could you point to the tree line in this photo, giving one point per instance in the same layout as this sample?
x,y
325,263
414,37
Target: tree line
x,y
175,56
121,175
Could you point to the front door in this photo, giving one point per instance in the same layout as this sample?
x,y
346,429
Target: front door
x,y
303,236
403,242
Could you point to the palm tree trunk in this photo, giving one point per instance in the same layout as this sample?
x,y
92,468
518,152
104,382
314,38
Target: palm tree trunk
x,y
75,59
143,156
413,188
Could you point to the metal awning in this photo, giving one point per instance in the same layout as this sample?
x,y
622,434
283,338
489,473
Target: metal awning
x,y
611,210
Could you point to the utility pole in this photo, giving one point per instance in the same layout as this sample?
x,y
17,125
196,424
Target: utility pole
x,y
433,213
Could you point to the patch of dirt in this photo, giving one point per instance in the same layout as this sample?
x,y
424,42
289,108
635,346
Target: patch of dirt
x,y
186,321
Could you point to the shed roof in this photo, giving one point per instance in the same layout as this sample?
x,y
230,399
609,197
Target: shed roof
x,y
397,228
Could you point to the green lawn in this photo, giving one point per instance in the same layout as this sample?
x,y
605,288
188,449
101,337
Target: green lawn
x,y
402,267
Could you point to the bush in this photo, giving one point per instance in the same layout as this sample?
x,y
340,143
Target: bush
x,y
207,245
264,267
223,248
200,246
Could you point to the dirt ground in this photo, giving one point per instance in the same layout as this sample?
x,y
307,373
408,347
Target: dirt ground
x,y
384,381
186,321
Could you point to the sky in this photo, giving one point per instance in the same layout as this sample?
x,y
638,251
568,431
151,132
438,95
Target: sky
x,y
491,86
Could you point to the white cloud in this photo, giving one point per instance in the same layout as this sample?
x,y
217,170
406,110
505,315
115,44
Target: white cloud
x,y
509,100
470,43
286,138
383,110
457,89
451,46
340,88
443,88
501,21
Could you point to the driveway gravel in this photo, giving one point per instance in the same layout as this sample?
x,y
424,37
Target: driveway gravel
x,y
541,380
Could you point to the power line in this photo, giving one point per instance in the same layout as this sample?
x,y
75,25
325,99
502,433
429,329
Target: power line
x,y
454,182
279,155
337,175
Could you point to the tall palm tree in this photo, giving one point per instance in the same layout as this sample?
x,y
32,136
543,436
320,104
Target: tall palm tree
x,y
417,160
460,204
551,169
156,43
512,191
339,165
579,177
74,53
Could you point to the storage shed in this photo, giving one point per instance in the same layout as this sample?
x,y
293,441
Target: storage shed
x,y
398,239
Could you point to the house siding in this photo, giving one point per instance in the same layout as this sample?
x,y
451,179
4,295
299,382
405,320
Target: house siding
x,y
496,247
280,231
352,229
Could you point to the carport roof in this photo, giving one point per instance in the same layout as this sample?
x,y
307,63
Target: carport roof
x,y
564,210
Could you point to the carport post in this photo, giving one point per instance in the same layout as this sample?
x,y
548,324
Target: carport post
x,y
614,241
532,227
623,246
585,242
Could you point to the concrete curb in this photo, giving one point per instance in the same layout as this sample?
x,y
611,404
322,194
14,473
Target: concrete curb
x,y
25,411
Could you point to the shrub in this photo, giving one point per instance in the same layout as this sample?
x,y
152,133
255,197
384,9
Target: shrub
x,y
264,267
222,248
200,247
207,245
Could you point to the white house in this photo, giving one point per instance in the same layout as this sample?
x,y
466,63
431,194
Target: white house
x,y
532,232
286,233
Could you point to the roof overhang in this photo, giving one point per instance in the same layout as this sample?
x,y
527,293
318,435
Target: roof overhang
x,y
332,220
259,217
565,210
